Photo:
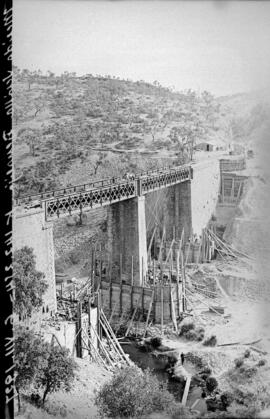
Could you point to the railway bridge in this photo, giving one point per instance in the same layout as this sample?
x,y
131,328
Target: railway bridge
x,y
134,207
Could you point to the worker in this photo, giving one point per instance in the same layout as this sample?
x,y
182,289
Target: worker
x,y
182,358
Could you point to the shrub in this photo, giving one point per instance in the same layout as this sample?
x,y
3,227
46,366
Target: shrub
x,y
132,393
211,384
177,411
248,372
238,362
191,335
74,257
200,332
226,399
247,353
29,283
59,372
156,342
210,341
185,328
261,362
60,266
206,370
198,380
30,357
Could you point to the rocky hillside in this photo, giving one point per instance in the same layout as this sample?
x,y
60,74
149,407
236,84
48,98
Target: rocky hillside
x,y
71,129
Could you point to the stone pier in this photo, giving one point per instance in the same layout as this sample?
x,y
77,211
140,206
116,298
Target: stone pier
x,y
170,207
178,211
127,240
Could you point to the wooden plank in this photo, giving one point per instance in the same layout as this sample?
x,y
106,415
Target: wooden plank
x,y
177,279
229,344
98,316
151,242
100,265
133,316
232,190
258,350
148,314
253,342
189,244
162,308
131,298
110,340
183,281
173,312
185,395
89,322
98,357
161,246
132,271
170,249
121,280
102,348
143,277
207,305
114,337
79,330
112,313
182,238
199,253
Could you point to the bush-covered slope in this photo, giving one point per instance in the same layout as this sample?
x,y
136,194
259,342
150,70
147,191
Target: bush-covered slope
x,y
72,129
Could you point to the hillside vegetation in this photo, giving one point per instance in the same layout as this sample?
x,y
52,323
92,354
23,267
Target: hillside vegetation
x,y
70,129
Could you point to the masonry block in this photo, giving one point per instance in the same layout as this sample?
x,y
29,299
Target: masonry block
x,y
204,193
127,239
30,229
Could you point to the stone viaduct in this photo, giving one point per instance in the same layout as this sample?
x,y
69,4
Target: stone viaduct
x,y
187,199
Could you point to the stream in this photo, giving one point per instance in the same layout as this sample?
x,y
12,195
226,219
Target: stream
x,y
157,366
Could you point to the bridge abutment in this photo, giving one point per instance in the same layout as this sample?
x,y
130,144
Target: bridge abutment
x,y
30,229
127,240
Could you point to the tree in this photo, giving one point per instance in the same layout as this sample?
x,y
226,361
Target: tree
x,y
29,358
18,114
29,283
186,136
133,393
39,104
99,161
30,136
58,373
211,384
211,108
30,77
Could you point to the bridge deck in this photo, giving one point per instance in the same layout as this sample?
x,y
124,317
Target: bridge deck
x,y
67,201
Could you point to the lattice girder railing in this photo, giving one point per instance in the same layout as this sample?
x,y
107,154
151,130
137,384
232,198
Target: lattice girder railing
x,y
76,203
162,180
75,200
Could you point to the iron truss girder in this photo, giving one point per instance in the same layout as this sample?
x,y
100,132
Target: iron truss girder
x,y
75,200
165,179
78,202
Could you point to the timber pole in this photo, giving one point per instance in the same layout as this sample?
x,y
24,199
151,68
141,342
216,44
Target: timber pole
x,y
79,330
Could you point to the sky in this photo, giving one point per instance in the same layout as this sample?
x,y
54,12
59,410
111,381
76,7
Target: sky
x,y
219,46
